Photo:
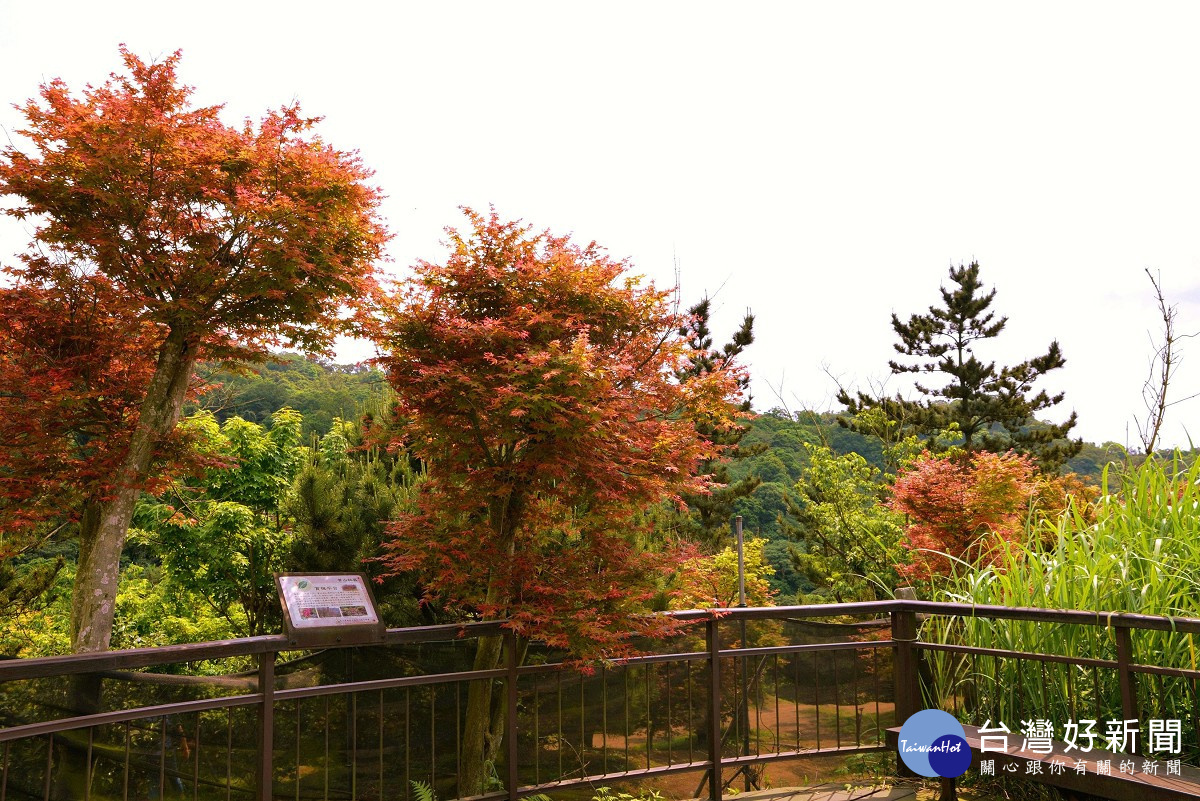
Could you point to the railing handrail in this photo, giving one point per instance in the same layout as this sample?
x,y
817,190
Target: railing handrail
x,y
1132,620
70,664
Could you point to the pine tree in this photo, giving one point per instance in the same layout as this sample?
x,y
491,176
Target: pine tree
x,y
710,512
994,408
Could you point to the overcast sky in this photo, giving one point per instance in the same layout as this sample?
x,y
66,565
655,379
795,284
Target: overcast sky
x,y
821,164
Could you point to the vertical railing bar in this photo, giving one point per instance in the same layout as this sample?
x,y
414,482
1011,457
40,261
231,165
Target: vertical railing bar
x,y
647,669
298,757
537,731
432,736
744,717
817,695
162,758
996,685
326,792
691,716
736,685
795,657
973,685
125,784
510,725
228,753
381,712
1045,689
1029,698
1032,698
1195,707
483,766
954,687
458,733
908,686
1150,707
407,740
625,678
875,679
353,746
1071,707
266,726
4,774
712,635
854,655
755,686
667,675
775,689
87,771
196,759
49,767
604,715
837,702
582,726
1129,704
561,742
1020,687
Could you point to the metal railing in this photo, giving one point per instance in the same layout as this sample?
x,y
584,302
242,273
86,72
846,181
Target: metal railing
x,y
370,722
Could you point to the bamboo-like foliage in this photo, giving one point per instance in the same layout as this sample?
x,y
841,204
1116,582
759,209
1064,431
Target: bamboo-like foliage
x,y
1142,554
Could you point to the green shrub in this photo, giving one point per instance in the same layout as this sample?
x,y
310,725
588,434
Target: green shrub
x,y
1141,555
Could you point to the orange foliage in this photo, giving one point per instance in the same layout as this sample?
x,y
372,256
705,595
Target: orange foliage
x,y
539,383
961,506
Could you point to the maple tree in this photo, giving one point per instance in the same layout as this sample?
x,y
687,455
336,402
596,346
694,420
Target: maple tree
x,y
69,369
214,242
961,506
538,382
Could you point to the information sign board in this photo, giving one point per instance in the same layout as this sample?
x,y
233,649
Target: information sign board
x,y
321,609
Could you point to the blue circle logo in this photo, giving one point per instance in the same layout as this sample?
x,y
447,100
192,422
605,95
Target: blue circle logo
x,y
933,744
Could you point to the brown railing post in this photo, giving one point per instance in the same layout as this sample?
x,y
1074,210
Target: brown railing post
x,y
510,717
905,676
264,777
714,707
1124,674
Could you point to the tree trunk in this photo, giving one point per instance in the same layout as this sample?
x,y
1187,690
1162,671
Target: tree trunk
x,y
478,745
102,538
496,729
103,526
479,712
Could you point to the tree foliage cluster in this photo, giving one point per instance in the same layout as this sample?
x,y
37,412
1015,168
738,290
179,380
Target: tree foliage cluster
x,y
320,390
197,240
561,438
539,381
994,408
203,549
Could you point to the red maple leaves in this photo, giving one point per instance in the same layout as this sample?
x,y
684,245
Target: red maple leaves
x,y
70,374
537,380
961,506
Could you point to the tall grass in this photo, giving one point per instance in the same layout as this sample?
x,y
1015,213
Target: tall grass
x,y
1142,554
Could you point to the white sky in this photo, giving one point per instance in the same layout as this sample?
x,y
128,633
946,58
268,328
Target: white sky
x,y
822,164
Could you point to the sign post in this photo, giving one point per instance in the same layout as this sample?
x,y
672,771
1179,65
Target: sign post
x,y
321,610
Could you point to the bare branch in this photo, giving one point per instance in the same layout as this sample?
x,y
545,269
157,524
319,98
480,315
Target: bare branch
x,y
1163,364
